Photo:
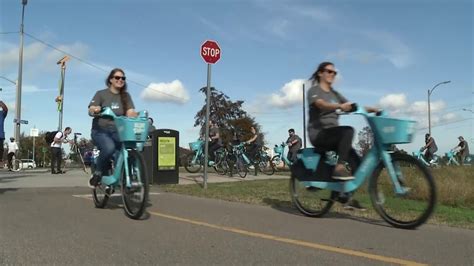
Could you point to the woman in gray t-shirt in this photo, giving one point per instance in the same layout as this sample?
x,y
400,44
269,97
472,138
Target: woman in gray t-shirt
x,y
104,133
323,126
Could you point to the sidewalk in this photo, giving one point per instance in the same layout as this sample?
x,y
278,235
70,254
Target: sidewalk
x,y
77,178
187,178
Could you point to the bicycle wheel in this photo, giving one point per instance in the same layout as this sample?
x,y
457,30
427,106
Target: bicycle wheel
x,y
310,201
241,168
135,196
222,167
412,209
265,166
190,166
16,165
101,195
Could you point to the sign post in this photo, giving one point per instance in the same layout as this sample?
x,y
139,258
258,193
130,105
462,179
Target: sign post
x,y
211,53
34,132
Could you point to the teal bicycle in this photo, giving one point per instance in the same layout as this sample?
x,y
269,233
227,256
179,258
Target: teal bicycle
x,y
401,188
279,157
195,160
128,172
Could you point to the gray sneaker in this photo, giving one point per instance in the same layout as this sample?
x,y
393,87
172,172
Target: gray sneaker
x,y
342,173
353,204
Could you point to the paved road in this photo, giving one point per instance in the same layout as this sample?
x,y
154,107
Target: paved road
x,y
60,226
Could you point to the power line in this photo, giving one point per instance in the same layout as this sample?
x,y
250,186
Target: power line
x,y
457,106
97,67
448,123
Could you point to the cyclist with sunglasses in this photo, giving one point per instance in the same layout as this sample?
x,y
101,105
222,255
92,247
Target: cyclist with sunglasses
x,y
324,130
104,133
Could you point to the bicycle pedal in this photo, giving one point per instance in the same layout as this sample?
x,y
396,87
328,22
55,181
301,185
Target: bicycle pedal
x,y
109,191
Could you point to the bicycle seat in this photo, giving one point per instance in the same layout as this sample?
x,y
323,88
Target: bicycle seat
x,y
321,150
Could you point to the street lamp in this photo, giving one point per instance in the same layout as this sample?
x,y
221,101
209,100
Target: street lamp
x,y
20,72
429,106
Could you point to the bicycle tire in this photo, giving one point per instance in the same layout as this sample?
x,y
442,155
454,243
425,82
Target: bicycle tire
x,y
189,164
265,166
222,167
16,165
310,201
412,203
100,195
139,186
241,168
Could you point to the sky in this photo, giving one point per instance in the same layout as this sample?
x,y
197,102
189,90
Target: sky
x,y
388,54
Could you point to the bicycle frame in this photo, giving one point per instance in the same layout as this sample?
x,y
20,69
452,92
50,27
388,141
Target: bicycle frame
x,y
419,155
379,152
121,161
239,151
113,180
198,154
452,158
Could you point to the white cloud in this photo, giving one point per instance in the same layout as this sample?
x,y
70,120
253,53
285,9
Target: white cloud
x,y
39,56
30,52
393,101
166,92
290,94
399,106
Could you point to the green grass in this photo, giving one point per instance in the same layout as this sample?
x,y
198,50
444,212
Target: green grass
x,y
275,193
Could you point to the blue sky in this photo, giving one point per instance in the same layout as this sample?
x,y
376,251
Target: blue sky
x,y
388,53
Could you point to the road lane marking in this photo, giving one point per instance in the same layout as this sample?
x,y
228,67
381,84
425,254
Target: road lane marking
x,y
89,196
312,245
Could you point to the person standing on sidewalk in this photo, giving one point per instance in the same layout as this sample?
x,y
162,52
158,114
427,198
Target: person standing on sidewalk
x,y
12,151
56,150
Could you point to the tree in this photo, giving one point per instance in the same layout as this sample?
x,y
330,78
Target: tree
x,y
365,140
229,116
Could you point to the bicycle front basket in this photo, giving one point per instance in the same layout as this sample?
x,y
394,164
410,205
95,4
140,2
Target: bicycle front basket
x,y
132,129
393,130
194,146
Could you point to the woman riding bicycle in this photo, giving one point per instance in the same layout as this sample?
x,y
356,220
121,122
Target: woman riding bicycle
x,y
323,126
104,133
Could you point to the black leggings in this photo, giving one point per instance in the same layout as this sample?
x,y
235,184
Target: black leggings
x,y
213,147
252,151
337,139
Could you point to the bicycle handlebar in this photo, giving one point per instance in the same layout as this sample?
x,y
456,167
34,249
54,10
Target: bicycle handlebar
x,y
107,111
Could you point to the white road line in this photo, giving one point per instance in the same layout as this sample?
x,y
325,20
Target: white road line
x,y
89,196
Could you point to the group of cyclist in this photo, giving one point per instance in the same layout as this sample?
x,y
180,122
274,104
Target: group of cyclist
x,y
324,130
430,148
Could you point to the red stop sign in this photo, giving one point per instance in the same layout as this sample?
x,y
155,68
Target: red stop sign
x,y
210,52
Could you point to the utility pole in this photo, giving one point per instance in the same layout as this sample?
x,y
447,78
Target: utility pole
x,y
60,98
20,77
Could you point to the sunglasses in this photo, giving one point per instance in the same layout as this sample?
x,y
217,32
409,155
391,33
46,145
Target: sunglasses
x,y
118,78
329,71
